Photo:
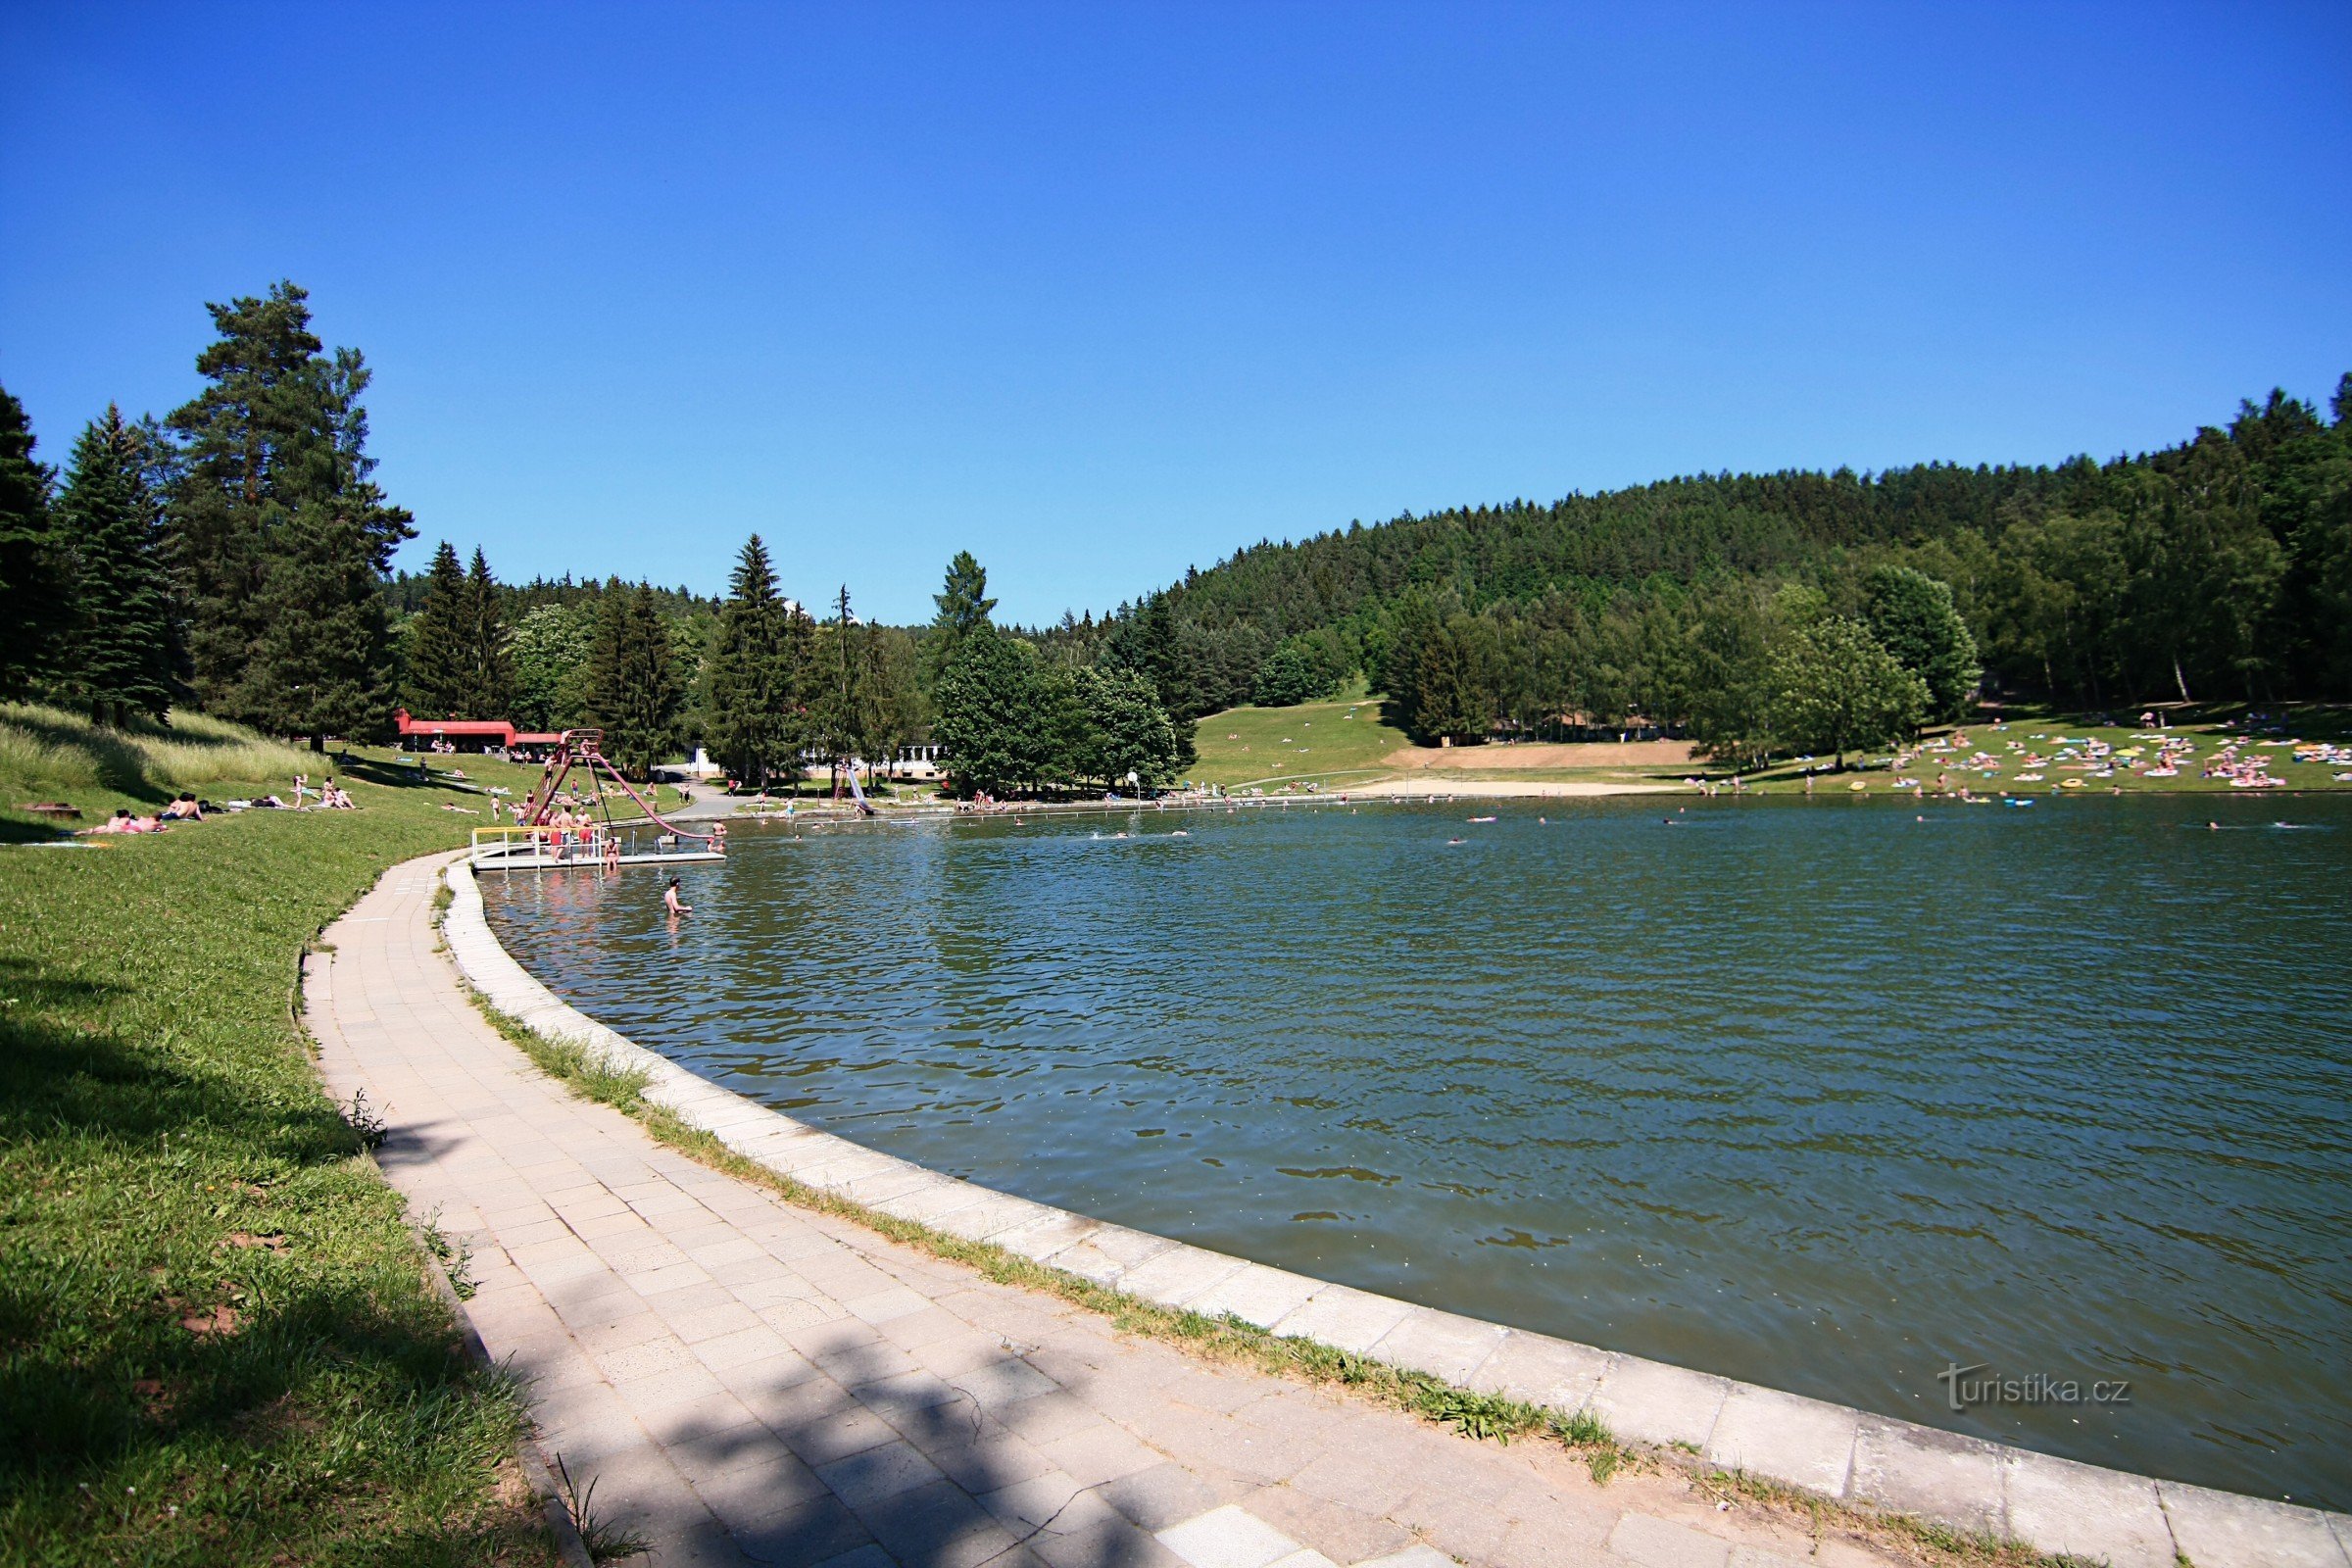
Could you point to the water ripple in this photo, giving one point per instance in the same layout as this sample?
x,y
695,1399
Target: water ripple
x,y
1812,1093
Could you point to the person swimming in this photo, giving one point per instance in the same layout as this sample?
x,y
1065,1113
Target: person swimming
x,y
672,903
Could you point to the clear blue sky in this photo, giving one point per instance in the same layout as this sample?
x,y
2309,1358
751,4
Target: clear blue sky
x,y
1099,291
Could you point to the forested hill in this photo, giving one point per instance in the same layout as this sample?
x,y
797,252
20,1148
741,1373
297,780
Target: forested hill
x,y
2221,567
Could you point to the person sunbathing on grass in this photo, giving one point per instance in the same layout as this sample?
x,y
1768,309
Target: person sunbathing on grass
x,y
187,808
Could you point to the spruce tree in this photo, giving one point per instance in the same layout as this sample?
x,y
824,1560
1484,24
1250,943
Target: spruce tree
x,y
748,693
274,470
123,646
35,583
489,664
438,681
964,603
324,665
633,683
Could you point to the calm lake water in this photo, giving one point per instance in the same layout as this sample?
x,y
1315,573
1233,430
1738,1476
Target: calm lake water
x,y
1811,1092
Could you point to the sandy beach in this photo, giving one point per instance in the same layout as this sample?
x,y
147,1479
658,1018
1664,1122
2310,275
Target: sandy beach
x,y
1501,788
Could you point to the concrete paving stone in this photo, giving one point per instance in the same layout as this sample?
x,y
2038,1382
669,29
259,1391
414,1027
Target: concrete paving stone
x,y
906,1399
763,1282
1103,1543
869,1555
1100,1453
643,1358
937,1526
992,1458
821,1529
930,1204
1541,1543
873,1474
2223,1530
744,1347
1163,1494
652,1283
1202,1437
1344,1317
1556,1374
834,1430
1208,1387
1346,1534
721,1317
1649,1401
1786,1438
890,1183
1661,1543
952,1353
884,1306
529,1234
790,1317
1044,1417
1933,1475
1109,1250
867,1364
763,1379
1008,1380
1026,1505
1256,1294
1350,1480
1050,1232
1764,1558
912,1331
839,1337
1416,1556
1229,1537
1179,1274
2062,1506
994,1215
659,1393
1444,1344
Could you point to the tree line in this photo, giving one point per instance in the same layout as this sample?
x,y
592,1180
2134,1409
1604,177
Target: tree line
x,y
2217,568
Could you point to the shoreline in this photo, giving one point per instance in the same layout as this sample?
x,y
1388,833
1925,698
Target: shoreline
x,y
1838,1452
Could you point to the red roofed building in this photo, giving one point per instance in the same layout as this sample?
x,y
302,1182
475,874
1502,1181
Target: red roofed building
x,y
472,734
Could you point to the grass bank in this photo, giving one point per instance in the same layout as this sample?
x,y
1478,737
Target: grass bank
x,y
1332,743
219,1342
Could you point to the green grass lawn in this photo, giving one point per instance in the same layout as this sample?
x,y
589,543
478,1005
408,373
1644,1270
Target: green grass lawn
x,y
1334,741
217,1341
2040,732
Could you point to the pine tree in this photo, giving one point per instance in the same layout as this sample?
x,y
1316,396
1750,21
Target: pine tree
x,y
438,681
122,647
489,664
36,585
632,680
749,695
274,468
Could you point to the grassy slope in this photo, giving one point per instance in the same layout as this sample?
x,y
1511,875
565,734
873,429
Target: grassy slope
x,y
1313,740
1270,746
168,1156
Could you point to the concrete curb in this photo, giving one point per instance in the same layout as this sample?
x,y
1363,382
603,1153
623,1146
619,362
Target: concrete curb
x,y
1834,1452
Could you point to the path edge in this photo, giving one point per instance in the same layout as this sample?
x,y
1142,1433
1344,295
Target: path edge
x,y
1837,1452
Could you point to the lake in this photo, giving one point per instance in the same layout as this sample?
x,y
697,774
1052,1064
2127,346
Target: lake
x,y
1813,1093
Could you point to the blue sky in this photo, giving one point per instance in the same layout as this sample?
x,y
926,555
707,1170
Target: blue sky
x,y
1099,291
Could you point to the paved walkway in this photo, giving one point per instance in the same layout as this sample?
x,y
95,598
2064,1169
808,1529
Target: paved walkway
x,y
749,1382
